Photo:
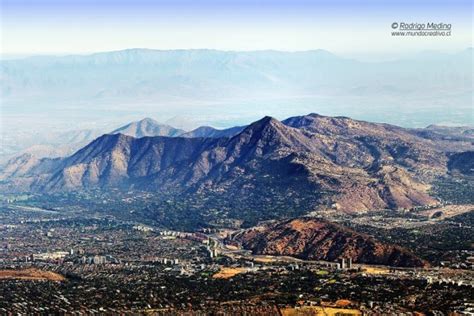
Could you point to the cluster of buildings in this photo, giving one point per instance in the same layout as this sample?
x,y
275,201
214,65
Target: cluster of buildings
x,y
212,251
344,264
167,267
97,260
50,256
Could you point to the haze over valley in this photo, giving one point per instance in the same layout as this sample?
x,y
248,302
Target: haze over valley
x,y
46,96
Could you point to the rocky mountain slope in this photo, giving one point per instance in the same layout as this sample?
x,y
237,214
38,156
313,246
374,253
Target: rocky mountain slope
x,y
317,239
342,163
208,131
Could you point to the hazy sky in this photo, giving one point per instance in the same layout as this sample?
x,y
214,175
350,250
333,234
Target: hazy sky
x,y
344,27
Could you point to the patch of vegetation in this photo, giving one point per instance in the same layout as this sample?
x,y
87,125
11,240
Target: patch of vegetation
x,y
456,190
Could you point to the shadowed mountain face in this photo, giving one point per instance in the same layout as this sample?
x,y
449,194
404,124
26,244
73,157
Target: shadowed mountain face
x,y
147,127
66,143
462,163
317,239
342,163
208,131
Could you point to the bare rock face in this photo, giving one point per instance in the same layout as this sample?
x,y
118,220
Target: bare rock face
x,y
355,165
316,239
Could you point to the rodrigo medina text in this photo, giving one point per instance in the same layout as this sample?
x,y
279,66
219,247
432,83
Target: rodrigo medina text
x,y
424,26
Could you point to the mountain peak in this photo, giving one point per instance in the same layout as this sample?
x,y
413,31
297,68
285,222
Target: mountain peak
x,y
148,127
314,115
148,120
266,120
270,135
264,123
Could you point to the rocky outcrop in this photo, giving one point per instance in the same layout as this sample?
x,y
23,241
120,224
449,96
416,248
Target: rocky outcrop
x,y
317,239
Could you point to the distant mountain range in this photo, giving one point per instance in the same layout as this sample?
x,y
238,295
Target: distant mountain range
x,y
192,73
47,144
147,127
150,127
348,165
62,144
210,84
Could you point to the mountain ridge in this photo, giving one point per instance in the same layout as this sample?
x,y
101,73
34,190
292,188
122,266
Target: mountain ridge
x,y
365,165
209,131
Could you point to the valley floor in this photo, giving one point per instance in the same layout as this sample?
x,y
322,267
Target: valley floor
x,y
116,266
